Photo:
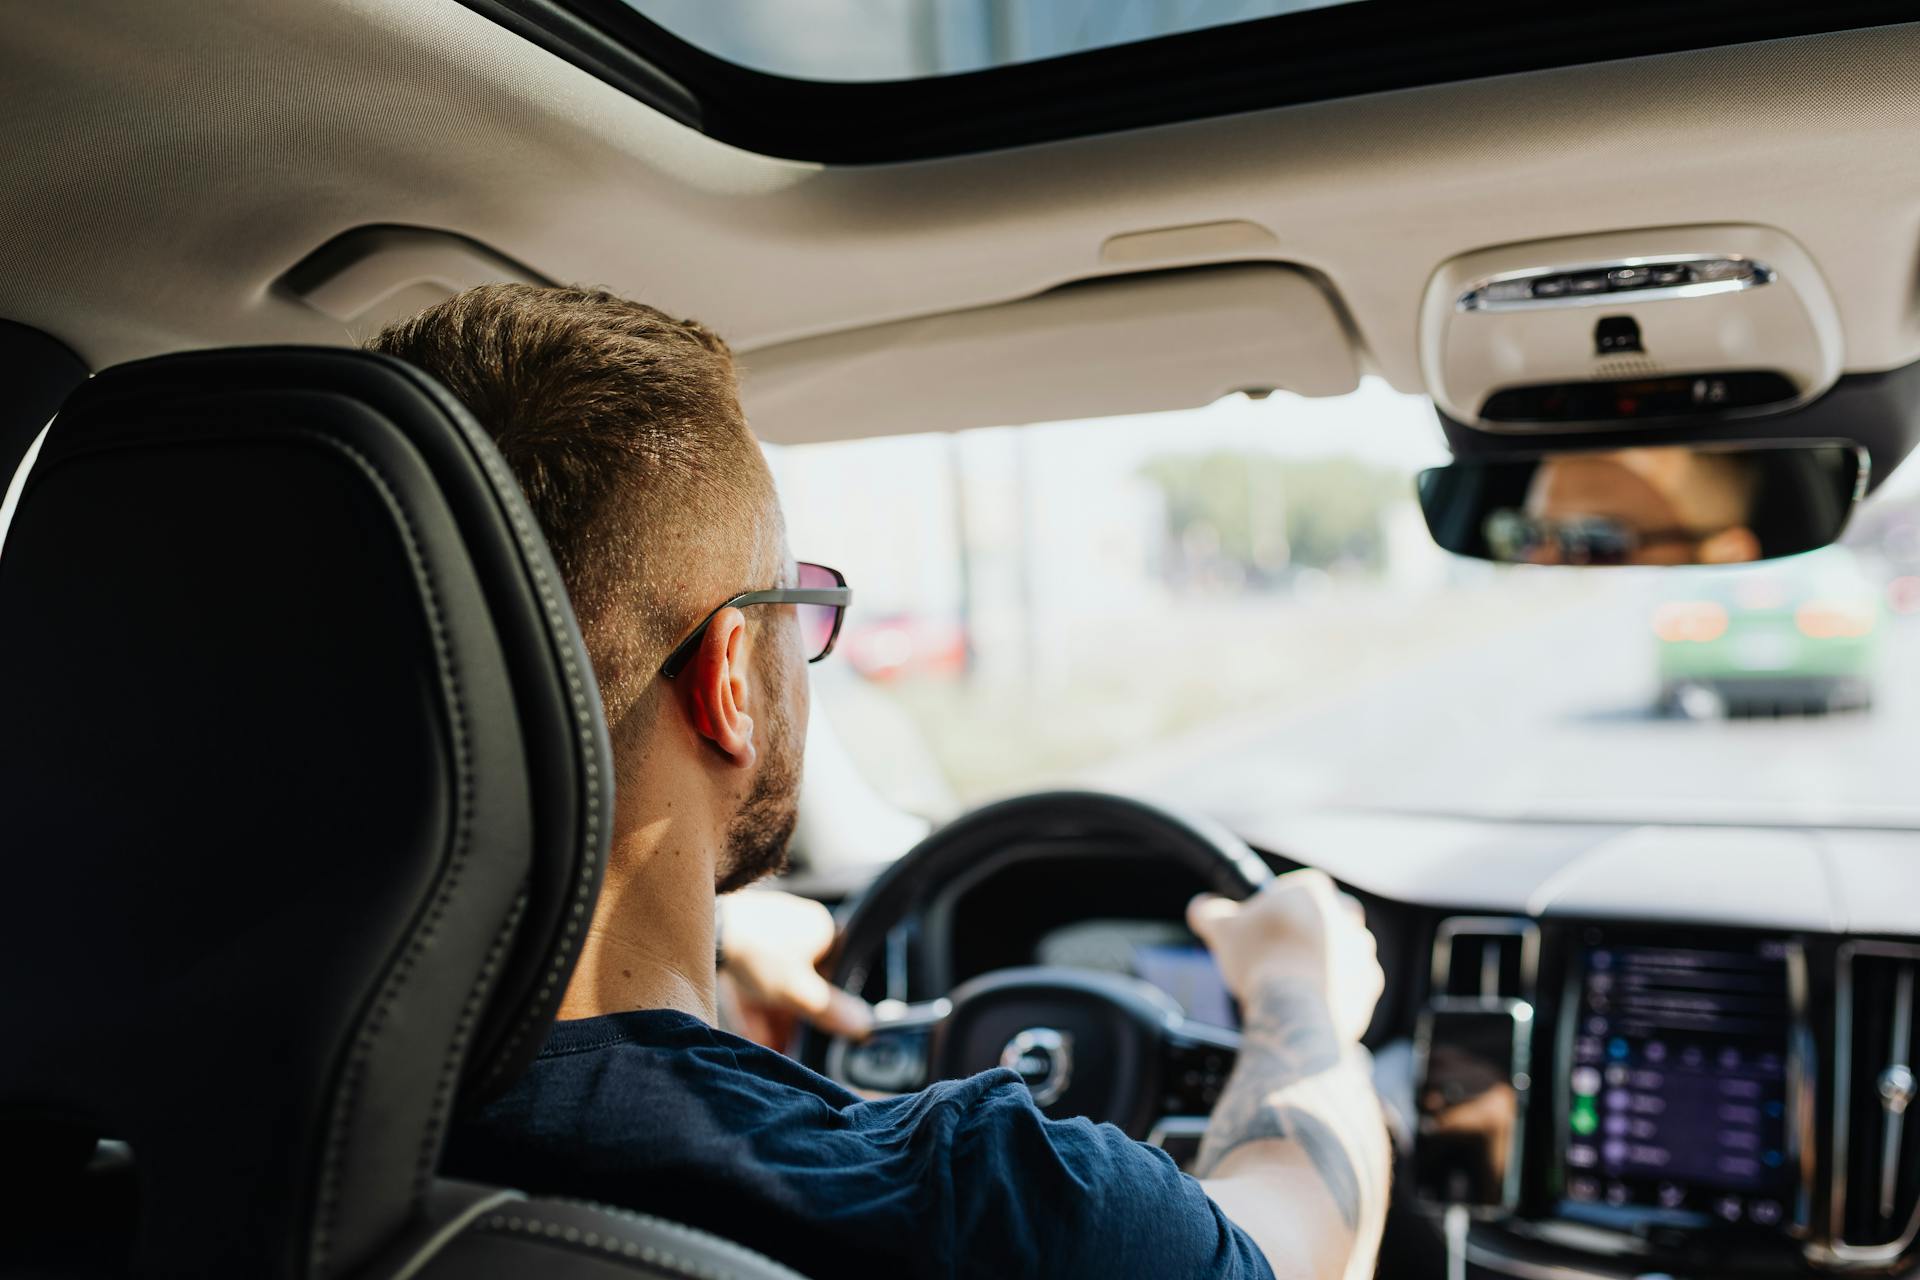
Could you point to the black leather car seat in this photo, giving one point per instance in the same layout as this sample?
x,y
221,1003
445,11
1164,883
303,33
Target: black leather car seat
x,y
304,793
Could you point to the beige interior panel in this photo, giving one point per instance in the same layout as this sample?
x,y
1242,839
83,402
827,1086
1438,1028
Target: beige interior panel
x,y
1128,345
168,163
371,276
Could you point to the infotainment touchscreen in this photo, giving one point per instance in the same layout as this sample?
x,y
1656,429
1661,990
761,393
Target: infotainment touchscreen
x,y
1675,1103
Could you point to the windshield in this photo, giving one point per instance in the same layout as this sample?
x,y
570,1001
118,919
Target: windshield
x,y
1239,609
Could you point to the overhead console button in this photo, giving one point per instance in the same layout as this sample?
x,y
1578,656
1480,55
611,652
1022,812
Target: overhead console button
x,y
1511,290
1690,278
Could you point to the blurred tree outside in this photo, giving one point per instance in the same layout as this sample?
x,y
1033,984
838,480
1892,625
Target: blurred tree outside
x,y
1255,520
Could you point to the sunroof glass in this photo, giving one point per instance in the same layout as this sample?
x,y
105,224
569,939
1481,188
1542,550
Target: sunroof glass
x,y
856,40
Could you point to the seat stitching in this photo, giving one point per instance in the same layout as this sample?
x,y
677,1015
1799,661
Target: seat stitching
x,y
649,1221
585,1240
347,1100
507,490
456,1051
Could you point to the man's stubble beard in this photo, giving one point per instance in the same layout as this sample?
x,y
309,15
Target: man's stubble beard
x,y
759,832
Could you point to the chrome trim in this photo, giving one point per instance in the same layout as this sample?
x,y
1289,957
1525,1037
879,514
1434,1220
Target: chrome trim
x,y
1058,1046
1862,476
1895,1086
1471,300
898,987
1837,1247
1520,1269
888,1016
1896,1095
1176,1127
1488,927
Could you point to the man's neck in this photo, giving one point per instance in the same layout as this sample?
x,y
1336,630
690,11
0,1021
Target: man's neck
x,y
650,944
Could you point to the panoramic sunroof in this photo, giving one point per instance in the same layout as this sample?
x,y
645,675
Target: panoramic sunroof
x,y
863,40
876,81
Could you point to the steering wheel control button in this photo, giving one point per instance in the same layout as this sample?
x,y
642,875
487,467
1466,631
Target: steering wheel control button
x,y
888,1061
1043,1057
1196,1077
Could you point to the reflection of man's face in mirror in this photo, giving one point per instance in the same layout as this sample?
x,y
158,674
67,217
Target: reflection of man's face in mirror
x,y
1681,507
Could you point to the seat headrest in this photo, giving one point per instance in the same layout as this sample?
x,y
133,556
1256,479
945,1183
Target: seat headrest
x,y
306,793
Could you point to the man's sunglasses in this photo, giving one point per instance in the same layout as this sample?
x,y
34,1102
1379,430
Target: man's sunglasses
x,y
1518,538
820,597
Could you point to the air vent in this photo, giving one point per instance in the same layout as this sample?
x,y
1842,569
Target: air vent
x,y
1876,1195
1485,957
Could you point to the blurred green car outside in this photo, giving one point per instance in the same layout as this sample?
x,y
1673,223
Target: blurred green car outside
x,y
1795,635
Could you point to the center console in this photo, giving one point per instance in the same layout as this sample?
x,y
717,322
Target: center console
x,y
1611,1099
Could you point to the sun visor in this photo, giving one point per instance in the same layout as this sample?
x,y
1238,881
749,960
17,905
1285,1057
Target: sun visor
x,y
1134,344
1660,327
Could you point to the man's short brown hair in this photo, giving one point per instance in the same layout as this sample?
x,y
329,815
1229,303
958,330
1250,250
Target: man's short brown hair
x,y
623,426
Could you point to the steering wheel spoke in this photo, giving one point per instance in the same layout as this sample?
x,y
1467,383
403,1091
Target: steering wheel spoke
x,y
897,1055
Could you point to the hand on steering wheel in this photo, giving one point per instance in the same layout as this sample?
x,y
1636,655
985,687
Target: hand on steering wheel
x,y
770,946
1301,927
1100,1044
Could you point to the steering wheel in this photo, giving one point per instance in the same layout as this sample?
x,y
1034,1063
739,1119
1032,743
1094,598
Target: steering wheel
x,y
1108,1046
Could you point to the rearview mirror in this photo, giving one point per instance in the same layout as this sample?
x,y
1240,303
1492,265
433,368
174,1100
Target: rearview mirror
x,y
1652,504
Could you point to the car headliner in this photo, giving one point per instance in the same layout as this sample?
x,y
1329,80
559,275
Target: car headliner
x,y
165,174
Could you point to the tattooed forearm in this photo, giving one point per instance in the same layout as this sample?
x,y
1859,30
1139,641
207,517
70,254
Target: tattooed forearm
x,y
1322,1145
1288,1039
1288,1024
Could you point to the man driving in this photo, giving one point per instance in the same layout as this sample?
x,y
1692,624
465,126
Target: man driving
x,y
624,429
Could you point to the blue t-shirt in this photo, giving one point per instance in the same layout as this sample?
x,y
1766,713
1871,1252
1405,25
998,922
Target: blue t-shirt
x,y
657,1111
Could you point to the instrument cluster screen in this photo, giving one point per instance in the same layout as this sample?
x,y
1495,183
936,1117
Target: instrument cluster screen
x,y
1161,953
1676,1103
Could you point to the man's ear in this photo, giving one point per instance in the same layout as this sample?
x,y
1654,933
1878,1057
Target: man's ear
x,y
714,688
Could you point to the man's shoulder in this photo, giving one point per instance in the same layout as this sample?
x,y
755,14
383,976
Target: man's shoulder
x,y
667,1043
666,1114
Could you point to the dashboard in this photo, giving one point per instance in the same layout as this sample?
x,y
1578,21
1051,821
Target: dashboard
x,y
1705,1099
1706,1072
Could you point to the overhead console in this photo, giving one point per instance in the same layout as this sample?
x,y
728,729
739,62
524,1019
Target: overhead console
x,y
1661,326
1611,1098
